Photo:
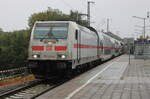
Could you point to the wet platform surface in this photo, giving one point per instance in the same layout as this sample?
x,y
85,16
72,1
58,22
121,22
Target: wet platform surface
x,y
115,79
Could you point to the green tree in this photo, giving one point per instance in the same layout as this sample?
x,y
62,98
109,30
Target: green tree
x,y
49,15
1,30
14,48
56,15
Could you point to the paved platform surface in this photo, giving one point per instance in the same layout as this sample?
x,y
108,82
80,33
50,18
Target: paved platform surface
x,y
115,79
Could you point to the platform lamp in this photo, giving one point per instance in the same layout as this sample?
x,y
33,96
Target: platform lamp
x,y
148,14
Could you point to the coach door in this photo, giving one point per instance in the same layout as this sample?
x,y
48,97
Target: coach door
x,y
78,38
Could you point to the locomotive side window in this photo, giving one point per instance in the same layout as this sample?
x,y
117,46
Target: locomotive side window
x,y
76,35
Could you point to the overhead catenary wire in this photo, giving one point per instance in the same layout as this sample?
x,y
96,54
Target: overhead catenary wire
x,y
68,5
85,5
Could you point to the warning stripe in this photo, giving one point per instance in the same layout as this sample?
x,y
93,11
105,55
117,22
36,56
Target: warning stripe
x,y
60,48
37,48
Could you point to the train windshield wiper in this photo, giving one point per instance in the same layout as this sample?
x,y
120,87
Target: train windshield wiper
x,y
49,34
45,36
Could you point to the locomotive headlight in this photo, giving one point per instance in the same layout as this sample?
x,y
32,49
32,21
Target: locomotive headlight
x,y
63,56
35,56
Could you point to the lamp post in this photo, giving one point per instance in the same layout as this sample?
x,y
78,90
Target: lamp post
x,y
89,12
144,19
129,54
148,13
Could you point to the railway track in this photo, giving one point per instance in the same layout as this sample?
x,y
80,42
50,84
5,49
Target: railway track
x,y
31,91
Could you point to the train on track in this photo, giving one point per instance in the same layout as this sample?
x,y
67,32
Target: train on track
x,y
58,47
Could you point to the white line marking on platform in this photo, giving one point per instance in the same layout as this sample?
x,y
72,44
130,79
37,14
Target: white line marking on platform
x,y
89,81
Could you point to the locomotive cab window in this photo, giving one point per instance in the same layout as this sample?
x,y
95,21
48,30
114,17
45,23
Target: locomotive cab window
x,y
51,31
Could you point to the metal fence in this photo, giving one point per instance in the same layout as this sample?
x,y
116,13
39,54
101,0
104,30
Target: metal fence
x,y
11,73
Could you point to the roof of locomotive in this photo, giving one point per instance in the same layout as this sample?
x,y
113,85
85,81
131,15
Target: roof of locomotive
x,y
55,22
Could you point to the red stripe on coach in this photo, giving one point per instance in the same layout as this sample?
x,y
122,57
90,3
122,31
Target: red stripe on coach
x,y
37,48
84,46
93,46
60,48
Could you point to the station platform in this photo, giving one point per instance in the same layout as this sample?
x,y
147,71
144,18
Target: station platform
x,y
116,79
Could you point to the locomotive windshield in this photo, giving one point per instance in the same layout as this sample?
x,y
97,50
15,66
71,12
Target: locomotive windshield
x,y
51,31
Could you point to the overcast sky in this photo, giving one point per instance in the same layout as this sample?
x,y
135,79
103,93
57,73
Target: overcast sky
x,y
14,13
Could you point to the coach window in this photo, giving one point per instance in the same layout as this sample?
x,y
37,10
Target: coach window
x,y
76,35
101,46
